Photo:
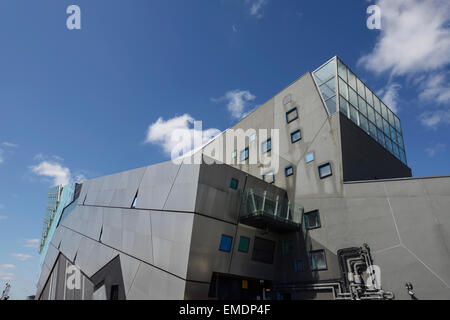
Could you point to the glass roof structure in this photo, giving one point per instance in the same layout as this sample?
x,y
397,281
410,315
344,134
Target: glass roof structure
x,y
343,91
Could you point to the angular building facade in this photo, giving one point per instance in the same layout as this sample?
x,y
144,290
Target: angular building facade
x,y
328,210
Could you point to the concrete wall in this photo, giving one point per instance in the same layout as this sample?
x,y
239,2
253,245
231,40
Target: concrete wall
x,y
406,223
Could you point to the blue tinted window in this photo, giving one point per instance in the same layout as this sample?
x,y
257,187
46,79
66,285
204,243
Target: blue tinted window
x,y
225,243
289,171
295,136
244,154
309,157
267,146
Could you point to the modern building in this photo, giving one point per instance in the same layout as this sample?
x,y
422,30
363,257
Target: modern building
x,y
329,210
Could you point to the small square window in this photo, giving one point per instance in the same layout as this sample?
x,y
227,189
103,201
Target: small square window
x,y
309,157
269,177
266,146
296,136
291,115
312,220
234,154
252,137
244,154
325,171
289,171
299,266
244,244
318,260
225,243
234,184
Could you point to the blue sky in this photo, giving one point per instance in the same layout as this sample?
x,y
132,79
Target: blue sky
x,y
79,104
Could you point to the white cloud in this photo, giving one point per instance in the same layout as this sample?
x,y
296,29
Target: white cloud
x,y
60,175
390,96
176,135
3,217
10,144
256,7
7,266
415,43
2,159
21,256
436,88
32,243
435,148
415,37
432,119
238,102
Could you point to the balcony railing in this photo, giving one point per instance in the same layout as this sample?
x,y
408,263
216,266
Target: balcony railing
x,y
265,210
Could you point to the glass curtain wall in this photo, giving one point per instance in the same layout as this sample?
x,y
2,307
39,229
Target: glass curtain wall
x,y
342,90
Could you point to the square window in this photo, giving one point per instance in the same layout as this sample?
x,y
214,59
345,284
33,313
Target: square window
x,y
263,250
291,115
244,244
252,137
318,260
309,157
325,171
299,266
289,171
234,184
266,146
312,220
296,136
225,243
244,154
234,154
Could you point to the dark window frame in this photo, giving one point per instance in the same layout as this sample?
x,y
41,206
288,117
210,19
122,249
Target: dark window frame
x,y
255,246
323,166
289,112
310,260
268,143
231,184
307,226
292,136
286,171
246,154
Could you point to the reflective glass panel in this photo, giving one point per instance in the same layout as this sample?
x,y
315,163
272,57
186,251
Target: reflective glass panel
x,y
354,115
362,106
328,89
353,97
331,105
352,80
364,124
342,70
344,107
369,97
361,88
343,90
325,73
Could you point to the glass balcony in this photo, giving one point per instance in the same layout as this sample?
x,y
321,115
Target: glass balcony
x,y
264,210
